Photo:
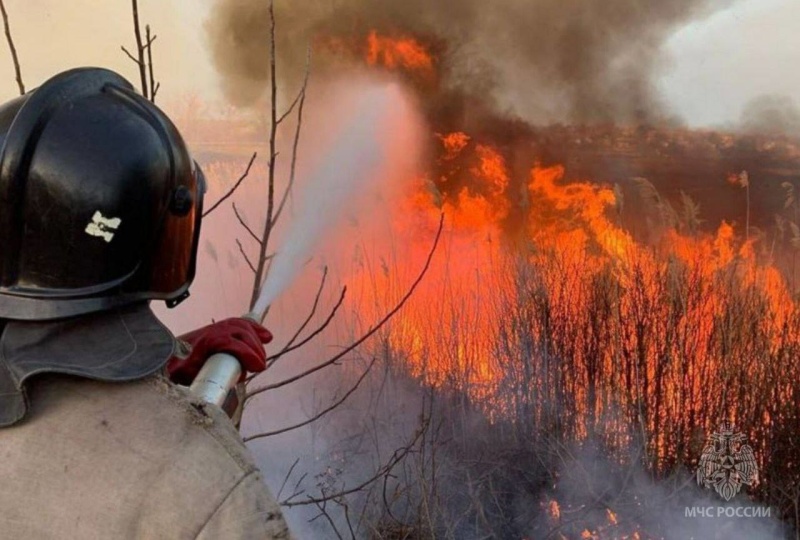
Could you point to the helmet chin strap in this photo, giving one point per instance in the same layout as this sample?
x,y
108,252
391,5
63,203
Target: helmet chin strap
x,y
173,302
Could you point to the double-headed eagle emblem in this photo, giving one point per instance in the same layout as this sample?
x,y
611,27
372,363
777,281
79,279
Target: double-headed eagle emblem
x,y
727,463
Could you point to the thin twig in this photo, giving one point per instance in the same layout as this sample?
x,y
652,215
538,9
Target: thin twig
x,y
149,46
14,57
234,188
302,97
310,315
253,235
316,332
126,51
291,107
297,491
370,332
246,258
347,518
289,348
319,415
268,222
139,46
286,478
396,458
324,513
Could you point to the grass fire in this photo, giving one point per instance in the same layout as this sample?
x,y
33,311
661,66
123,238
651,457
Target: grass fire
x,y
607,292
521,285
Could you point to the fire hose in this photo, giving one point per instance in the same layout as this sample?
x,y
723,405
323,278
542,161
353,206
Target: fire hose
x,y
219,375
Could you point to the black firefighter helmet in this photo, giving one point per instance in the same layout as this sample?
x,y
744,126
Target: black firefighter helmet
x,y
100,201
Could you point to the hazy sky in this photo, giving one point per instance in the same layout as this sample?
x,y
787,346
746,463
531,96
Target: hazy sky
x,y
54,35
715,66
719,64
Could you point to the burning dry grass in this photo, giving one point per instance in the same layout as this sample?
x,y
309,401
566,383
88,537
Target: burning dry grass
x,y
566,331
581,335
546,325
575,336
676,337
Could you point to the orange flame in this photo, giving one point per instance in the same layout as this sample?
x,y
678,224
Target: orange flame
x,y
554,510
579,310
454,144
395,53
578,260
589,203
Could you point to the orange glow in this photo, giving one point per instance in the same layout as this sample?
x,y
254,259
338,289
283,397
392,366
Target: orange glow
x,y
394,53
454,143
492,169
583,291
589,203
390,52
544,305
554,510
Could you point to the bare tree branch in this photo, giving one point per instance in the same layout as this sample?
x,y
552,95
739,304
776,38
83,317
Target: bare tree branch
x,y
369,333
246,258
297,491
292,106
302,99
396,458
234,188
289,348
149,47
302,91
322,413
268,222
310,315
126,51
315,333
14,57
244,225
286,478
139,46
324,513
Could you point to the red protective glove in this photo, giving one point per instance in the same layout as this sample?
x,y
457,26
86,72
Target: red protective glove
x,y
242,338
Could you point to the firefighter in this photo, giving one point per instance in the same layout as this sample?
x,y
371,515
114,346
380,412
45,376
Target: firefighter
x,y
100,210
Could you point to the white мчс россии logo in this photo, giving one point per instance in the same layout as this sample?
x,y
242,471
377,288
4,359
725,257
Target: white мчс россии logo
x,y
727,463
102,226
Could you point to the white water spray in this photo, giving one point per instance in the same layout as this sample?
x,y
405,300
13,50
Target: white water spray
x,y
355,158
358,156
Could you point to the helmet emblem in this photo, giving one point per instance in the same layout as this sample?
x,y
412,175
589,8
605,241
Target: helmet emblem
x,y
102,227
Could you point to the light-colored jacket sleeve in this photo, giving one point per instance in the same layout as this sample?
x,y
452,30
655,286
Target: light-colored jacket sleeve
x,y
249,512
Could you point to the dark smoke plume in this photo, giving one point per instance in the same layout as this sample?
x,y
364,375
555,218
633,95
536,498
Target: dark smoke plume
x,y
770,114
547,60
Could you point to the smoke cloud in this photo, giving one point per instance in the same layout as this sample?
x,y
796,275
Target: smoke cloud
x,y
771,114
549,60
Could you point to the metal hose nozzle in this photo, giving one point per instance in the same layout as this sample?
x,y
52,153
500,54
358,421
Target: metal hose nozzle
x,y
219,376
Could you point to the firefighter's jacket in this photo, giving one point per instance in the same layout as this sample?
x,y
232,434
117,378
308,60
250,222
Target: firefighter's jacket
x,y
103,460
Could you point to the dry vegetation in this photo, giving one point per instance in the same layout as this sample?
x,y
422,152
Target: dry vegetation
x,y
567,386
576,370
